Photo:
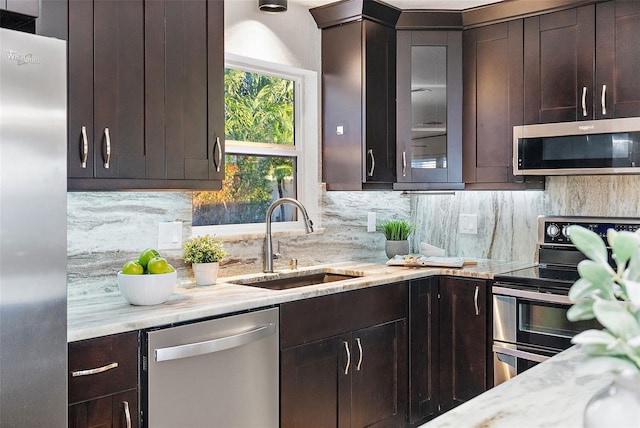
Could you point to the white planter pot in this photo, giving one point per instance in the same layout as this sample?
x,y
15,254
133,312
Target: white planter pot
x,y
205,273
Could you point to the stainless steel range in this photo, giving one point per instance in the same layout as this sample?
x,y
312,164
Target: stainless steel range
x,y
530,305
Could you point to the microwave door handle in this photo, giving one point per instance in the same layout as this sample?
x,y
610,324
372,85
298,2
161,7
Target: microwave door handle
x,y
531,295
520,354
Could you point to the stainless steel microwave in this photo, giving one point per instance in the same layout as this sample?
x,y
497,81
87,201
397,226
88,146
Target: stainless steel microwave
x,y
608,146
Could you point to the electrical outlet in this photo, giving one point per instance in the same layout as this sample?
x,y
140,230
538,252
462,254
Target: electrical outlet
x,y
169,235
468,224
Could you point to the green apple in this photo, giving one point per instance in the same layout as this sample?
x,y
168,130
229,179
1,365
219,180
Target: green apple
x,y
147,255
158,265
132,268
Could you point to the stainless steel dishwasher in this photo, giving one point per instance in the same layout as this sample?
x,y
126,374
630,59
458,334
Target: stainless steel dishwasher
x,y
215,373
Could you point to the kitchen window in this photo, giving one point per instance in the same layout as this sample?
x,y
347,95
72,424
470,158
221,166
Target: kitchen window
x,y
271,146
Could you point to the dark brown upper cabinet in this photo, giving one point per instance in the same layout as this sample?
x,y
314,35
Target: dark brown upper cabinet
x,y
429,110
582,63
493,105
617,60
358,94
146,100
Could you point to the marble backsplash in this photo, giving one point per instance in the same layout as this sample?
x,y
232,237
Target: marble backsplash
x,y
107,228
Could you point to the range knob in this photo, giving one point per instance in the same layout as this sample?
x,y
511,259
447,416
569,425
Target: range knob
x,y
553,230
565,231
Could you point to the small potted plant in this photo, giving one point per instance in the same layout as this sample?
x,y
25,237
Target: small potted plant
x,y
611,296
204,253
397,233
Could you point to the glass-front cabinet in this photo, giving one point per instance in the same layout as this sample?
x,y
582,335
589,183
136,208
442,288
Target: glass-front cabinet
x,y
429,110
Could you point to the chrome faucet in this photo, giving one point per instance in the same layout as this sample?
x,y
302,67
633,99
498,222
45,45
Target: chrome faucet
x,y
267,262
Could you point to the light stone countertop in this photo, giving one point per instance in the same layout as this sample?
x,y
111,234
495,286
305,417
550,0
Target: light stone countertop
x,y
551,394
108,313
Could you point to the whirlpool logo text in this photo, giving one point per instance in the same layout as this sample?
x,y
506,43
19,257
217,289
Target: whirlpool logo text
x,y
22,59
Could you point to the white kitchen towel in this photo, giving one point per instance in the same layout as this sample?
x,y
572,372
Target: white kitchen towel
x,y
430,250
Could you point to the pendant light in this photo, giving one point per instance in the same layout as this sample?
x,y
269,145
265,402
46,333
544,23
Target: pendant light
x,y
272,5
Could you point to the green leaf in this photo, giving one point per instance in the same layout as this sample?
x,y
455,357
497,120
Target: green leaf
x,y
623,244
589,243
595,272
594,337
633,269
581,311
615,319
633,292
580,289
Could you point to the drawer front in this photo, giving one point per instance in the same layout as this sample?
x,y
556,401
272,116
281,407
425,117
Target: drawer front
x,y
102,366
317,318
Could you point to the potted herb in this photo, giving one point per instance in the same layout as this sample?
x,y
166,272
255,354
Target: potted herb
x,y
611,296
204,253
397,233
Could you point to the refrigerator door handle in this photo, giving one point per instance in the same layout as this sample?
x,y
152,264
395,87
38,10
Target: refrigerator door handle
x,y
215,345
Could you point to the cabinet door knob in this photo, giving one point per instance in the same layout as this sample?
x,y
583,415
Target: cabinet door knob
x,y
584,101
360,358
107,141
346,348
373,162
603,100
84,151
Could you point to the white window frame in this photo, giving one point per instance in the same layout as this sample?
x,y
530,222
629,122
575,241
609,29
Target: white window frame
x,y
306,148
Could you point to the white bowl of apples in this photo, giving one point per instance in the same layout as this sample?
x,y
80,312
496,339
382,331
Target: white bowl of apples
x,y
150,280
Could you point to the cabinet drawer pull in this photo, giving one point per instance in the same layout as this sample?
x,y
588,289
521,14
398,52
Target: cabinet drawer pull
x,y
603,100
373,163
360,358
584,101
346,348
475,300
107,140
127,414
97,370
85,146
216,145
404,164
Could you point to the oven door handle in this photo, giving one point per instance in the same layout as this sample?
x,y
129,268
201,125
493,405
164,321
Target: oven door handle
x,y
520,354
531,295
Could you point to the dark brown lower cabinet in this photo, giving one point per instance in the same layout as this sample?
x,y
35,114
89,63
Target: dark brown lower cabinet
x,y
103,382
463,340
356,377
448,339
112,411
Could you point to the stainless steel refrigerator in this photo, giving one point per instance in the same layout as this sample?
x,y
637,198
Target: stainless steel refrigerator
x,y
33,231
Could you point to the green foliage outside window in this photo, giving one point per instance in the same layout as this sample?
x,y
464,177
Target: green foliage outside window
x,y
258,109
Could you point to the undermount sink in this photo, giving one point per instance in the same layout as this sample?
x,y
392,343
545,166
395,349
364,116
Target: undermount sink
x,y
296,281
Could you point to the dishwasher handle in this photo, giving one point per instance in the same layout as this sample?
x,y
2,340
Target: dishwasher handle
x,y
215,345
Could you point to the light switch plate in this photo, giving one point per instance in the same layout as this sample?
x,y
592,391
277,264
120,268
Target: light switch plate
x,y
468,224
169,235
371,222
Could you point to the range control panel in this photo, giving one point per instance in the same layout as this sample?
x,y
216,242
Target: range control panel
x,y
555,230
